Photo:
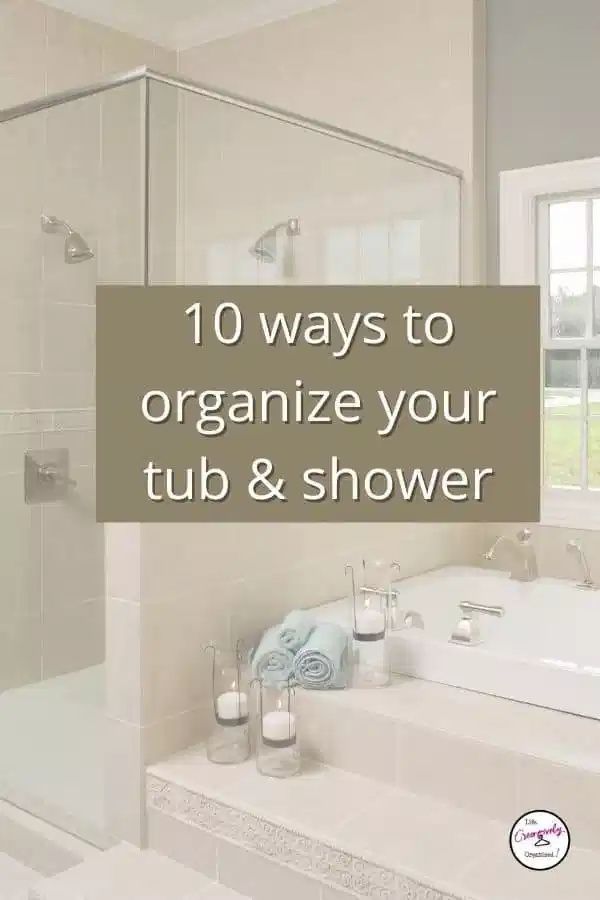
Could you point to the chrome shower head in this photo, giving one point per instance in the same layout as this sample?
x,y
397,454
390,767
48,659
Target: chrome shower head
x,y
76,248
265,248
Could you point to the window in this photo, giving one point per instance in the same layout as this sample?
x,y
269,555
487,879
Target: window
x,y
550,235
569,274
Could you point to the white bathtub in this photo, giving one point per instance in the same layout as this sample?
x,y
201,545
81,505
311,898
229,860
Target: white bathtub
x,y
545,650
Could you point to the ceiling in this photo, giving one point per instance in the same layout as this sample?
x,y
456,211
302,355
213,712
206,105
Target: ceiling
x,y
180,24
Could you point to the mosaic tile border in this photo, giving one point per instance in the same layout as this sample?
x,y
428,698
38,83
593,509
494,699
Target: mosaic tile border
x,y
307,855
36,421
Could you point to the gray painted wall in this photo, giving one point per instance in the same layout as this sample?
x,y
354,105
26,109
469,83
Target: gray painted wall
x,y
543,102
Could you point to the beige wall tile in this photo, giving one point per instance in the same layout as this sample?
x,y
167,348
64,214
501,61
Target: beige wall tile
x,y
122,52
168,735
163,186
73,638
22,74
124,799
164,60
192,847
123,667
71,390
260,878
572,793
22,154
501,877
20,337
81,445
74,51
121,217
20,652
123,560
21,261
469,774
173,665
72,547
69,338
356,741
73,186
20,558
12,453
19,391
75,284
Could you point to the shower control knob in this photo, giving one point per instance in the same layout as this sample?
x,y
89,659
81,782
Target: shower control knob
x,y
50,473
47,476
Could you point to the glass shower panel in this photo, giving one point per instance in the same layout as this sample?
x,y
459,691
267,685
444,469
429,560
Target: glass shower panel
x,y
363,217
80,164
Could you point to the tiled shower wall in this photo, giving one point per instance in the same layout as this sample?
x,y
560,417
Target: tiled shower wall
x,y
80,162
414,86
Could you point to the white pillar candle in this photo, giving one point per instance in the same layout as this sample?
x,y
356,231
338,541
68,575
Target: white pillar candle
x,y
279,725
232,705
370,621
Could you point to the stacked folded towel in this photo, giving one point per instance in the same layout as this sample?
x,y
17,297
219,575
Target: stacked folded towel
x,y
323,661
271,661
296,629
315,655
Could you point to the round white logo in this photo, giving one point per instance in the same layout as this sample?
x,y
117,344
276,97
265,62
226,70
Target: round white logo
x,y
539,840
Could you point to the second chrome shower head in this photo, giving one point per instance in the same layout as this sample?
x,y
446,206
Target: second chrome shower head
x,y
76,248
264,249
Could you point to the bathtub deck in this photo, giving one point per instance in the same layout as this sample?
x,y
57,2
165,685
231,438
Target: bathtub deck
x,y
330,833
543,651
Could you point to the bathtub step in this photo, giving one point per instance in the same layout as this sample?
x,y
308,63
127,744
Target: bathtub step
x,y
328,833
126,873
491,756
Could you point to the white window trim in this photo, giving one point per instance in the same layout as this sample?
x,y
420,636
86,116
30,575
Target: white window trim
x,y
520,192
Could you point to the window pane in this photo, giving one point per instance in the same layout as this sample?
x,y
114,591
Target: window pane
x,y
597,300
374,254
562,395
568,304
594,382
594,453
596,227
562,443
568,242
405,247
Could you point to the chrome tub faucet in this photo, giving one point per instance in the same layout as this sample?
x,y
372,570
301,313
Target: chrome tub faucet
x,y
587,583
468,630
524,561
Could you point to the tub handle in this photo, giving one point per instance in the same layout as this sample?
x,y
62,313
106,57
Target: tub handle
x,y
467,632
468,607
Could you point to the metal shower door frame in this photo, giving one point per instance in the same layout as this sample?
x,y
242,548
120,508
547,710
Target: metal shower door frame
x,y
149,75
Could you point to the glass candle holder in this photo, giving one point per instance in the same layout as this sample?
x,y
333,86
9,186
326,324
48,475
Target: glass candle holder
x,y
229,740
371,605
277,751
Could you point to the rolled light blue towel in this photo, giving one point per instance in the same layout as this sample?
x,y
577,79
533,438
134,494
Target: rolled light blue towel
x,y
271,661
296,630
323,662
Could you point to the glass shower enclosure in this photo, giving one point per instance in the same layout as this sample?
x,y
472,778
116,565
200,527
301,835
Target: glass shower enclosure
x,y
147,179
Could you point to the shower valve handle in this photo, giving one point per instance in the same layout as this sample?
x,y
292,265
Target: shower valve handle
x,y
50,474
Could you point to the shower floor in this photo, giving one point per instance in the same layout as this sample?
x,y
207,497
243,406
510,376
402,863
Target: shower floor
x,y
52,751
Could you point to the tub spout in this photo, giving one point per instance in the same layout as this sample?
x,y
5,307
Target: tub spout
x,y
587,583
524,562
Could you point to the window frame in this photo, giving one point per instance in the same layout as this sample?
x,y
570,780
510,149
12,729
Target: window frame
x,y
525,198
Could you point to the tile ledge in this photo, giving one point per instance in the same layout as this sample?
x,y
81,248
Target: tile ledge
x,y
266,834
